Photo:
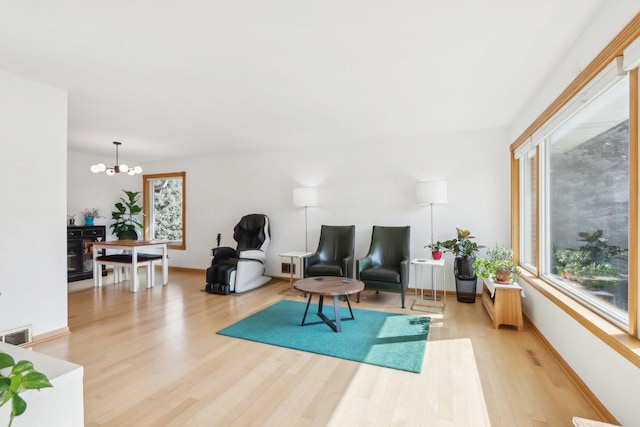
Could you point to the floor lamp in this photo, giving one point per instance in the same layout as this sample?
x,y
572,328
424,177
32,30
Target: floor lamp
x,y
431,193
305,197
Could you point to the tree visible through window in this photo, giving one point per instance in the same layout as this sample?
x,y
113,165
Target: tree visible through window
x,y
165,203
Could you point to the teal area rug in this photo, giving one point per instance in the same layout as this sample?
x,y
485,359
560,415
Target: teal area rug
x,y
385,339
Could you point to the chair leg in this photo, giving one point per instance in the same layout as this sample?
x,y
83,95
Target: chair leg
x,y
358,298
402,299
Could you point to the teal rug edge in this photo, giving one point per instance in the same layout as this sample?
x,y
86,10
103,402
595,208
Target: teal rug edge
x,y
378,338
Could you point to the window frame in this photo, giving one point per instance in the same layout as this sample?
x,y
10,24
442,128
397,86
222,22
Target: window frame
x,y
146,194
608,311
583,315
534,168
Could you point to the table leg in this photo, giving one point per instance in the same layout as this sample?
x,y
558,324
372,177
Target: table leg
x,y
432,305
97,277
165,266
149,274
336,310
134,270
291,274
306,310
346,297
290,290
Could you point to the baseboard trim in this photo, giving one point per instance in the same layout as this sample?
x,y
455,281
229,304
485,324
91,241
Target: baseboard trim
x,y
47,336
438,292
183,269
595,403
284,278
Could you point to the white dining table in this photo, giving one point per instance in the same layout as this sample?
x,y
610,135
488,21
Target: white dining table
x,y
135,247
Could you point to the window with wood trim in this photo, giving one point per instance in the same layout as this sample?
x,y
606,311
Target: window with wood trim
x,y
576,173
587,198
529,210
165,204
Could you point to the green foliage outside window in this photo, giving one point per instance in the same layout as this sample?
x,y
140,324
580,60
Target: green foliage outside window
x,y
167,208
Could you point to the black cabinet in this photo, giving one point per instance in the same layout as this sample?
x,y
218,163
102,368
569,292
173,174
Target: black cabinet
x,y
80,251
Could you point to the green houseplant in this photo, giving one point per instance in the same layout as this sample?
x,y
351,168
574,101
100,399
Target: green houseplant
x,y
465,251
22,376
499,264
590,264
436,249
126,225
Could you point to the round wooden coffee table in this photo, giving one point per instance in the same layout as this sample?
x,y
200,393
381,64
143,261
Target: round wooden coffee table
x,y
327,286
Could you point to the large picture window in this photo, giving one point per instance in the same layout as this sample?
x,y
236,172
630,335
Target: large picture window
x,y
575,197
587,196
165,201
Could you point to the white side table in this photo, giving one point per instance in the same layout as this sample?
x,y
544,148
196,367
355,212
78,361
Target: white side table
x,y
432,305
293,255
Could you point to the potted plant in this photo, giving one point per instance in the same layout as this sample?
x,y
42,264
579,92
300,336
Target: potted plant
x,y
21,377
498,265
597,276
589,264
90,214
126,225
465,251
436,249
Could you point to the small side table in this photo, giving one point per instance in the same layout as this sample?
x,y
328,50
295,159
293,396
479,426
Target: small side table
x,y
293,255
433,305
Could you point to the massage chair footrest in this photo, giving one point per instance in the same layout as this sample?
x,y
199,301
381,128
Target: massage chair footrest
x,y
218,288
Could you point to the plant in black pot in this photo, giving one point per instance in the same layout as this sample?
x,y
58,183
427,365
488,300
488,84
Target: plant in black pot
x,y
465,250
126,224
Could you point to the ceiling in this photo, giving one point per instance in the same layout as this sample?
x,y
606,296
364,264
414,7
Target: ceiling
x,y
180,79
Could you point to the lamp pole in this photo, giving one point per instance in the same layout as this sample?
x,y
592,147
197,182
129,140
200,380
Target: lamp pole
x,y
431,206
306,234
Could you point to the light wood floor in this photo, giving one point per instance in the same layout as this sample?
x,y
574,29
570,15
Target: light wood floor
x,y
153,358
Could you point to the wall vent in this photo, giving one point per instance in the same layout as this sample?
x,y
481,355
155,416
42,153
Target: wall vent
x,y
286,268
18,336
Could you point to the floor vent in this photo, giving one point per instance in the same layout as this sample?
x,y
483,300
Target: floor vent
x,y
17,336
533,358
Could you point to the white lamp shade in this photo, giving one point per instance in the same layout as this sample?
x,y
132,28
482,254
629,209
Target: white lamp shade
x,y
431,192
306,196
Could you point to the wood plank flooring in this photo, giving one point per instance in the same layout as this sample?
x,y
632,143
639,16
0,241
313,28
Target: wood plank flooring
x,y
154,359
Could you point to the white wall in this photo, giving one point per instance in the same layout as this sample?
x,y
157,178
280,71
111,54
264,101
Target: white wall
x,y
33,149
367,184
613,379
610,19
89,190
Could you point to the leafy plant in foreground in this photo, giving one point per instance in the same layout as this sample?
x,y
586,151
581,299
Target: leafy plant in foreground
x,y
21,377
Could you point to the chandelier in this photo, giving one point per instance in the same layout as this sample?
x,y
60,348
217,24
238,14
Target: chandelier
x,y
100,167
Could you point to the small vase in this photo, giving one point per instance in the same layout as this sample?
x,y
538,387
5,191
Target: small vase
x,y
436,255
88,220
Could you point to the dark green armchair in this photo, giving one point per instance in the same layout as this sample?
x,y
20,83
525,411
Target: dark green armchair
x,y
334,256
386,267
